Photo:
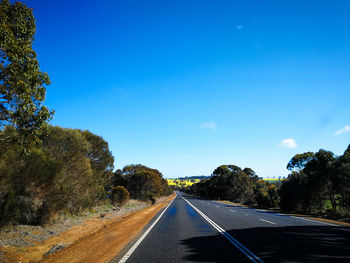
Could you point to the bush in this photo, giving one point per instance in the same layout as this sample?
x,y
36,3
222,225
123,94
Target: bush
x,y
59,176
120,195
152,199
142,182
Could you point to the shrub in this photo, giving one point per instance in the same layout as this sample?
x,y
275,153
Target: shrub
x,y
120,195
152,198
59,176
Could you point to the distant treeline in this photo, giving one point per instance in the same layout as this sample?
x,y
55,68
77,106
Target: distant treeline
x,y
230,182
318,182
201,177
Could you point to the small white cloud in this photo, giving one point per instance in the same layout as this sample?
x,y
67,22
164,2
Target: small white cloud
x,y
239,27
208,125
342,130
288,143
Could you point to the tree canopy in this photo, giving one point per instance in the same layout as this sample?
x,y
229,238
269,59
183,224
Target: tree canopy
x,y
142,182
22,83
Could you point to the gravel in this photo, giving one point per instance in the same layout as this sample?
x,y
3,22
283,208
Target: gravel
x,y
20,236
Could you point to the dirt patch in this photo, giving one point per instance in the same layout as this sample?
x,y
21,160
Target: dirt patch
x,y
96,239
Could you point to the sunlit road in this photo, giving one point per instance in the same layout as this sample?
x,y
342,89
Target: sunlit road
x,y
195,230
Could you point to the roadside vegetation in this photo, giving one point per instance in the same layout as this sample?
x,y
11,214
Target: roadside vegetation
x,y
142,182
45,170
319,184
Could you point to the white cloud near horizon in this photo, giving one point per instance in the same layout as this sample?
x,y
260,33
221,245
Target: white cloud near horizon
x,y
209,126
288,143
346,129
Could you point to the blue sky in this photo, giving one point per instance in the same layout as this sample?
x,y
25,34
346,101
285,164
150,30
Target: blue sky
x,y
185,86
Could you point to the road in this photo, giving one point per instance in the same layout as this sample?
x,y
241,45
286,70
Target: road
x,y
195,230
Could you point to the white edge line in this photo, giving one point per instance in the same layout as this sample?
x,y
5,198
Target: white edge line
x,y
138,242
267,221
232,240
233,211
315,221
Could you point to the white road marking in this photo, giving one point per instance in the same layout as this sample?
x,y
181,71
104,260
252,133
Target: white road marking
x,y
217,205
281,214
315,221
131,250
267,221
261,210
233,211
231,239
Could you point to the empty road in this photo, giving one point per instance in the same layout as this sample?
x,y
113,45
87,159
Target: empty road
x,y
196,230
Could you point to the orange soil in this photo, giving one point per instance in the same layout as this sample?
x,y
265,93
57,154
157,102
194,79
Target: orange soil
x,y
96,241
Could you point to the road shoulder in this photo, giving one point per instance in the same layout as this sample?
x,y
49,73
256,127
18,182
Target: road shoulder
x,y
97,244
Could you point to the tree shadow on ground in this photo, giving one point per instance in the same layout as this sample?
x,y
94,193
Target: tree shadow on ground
x,y
275,244
211,249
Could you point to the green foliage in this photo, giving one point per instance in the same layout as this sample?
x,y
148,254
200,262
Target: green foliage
x,y
9,208
266,194
22,85
322,180
120,195
342,179
101,158
300,160
54,177
293,192
142,182
228,182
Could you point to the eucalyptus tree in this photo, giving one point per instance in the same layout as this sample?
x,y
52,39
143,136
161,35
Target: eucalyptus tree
x,y
22,83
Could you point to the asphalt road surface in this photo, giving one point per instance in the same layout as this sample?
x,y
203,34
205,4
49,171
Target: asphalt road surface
x,y
197,230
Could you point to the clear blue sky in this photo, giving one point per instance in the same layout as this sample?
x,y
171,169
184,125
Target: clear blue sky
x,y
185,86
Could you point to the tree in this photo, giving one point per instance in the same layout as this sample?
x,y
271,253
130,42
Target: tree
x,y
342,178
101,158
22,84
142,182
299,161
293,192
266,194
56,176
228,182
322,178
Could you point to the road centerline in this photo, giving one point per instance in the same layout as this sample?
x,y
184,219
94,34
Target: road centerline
x,y
267,221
